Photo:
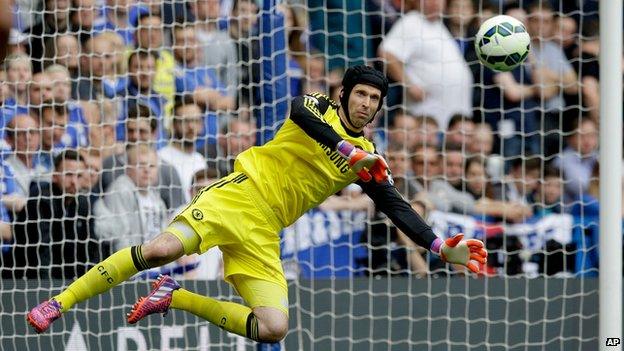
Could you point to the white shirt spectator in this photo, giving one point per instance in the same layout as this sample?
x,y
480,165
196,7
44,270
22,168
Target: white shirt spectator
x,y
431,60
150,209
186,164
128,217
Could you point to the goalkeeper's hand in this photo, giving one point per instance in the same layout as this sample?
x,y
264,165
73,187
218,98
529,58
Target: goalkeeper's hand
x,y
365,164
464,252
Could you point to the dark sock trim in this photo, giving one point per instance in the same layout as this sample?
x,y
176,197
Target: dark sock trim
x,y
252,327
137,258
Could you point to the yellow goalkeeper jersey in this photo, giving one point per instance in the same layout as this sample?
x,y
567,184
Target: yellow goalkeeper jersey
x,y
294,172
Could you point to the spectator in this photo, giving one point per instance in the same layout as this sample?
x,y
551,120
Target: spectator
x,y
475,180
578,159
199,81
422,56
191,77
17,42
84,19
468,193
102,131
4,87
412,132
10,196
118,19
400,163
54,238
23,137
242,24
404,131
547,199
586,65
483,145
554,257
425,166
296,49
269,90
65,52
97,68
131,211
477,184
316,80
140,90
520,183
551,69
57,132
120,54
19,75
180,153
459,21
452,169
141,128
218,48
60,79
460,132
236,135
55,21
150,38
39,90
567,36
6,229
90,178
447,192
482,140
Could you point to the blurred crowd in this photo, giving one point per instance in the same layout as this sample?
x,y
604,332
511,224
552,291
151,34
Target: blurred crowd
x,y
116,112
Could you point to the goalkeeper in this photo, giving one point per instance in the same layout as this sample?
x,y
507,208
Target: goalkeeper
x,y
318,151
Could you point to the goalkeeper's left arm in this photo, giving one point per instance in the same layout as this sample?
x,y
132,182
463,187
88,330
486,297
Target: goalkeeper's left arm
x,y
453,250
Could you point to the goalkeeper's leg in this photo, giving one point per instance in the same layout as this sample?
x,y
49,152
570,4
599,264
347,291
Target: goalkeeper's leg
x,y
107,274
265,319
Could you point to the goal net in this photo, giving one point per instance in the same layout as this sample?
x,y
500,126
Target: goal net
x,y
116,112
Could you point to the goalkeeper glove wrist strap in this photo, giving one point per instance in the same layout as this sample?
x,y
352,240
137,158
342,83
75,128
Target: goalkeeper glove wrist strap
x,y
345,149
436,245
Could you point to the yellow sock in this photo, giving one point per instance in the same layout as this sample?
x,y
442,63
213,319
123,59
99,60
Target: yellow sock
x,y
230,316
107,274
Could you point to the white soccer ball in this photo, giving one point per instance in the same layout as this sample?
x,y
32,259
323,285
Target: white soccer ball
x,y
502,43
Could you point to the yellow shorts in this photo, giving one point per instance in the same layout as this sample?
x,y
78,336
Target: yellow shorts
x,y
231,214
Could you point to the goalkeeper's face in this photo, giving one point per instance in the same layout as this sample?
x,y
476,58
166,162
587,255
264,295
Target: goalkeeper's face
x,y
363,104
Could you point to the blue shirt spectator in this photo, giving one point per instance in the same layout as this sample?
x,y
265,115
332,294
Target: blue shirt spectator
x,y
10,109
189,80
199,81
139,90
113,14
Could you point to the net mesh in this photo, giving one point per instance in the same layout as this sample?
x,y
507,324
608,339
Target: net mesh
x,y
96,104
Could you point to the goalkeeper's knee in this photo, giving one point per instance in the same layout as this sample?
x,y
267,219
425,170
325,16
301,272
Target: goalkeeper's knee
x,y
161,250
272,325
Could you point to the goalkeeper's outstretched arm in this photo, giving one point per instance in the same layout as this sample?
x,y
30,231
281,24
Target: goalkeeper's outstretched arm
x,y
453,250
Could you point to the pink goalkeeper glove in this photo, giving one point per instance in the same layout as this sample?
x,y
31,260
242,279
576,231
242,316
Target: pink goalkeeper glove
x,y
464,252
365,164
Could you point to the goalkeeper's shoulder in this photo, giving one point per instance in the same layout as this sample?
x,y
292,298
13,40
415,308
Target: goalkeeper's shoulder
x,y
320,100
